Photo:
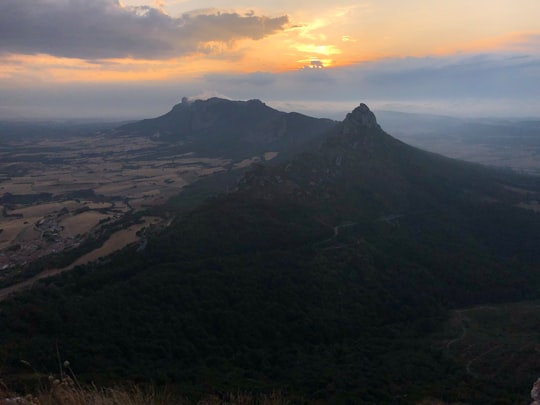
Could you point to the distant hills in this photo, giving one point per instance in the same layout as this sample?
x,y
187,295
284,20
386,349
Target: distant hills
x,y
511,143
231,129
327,276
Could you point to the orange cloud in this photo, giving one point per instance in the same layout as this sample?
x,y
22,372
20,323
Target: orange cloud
x,y
515,41
323,39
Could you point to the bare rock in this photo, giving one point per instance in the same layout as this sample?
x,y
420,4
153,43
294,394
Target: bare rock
x,y
362,116
535,393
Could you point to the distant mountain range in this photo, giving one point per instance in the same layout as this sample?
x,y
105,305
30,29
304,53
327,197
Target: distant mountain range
x,y
327,276
231,129
512,143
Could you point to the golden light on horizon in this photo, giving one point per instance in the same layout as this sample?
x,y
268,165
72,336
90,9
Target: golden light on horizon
x,y
198,46
337,35
325,50
272,55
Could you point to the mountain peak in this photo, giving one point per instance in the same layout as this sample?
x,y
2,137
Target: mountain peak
x,y
231,128
362,116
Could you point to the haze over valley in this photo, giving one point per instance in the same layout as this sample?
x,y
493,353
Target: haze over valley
x,y
290,203
317,193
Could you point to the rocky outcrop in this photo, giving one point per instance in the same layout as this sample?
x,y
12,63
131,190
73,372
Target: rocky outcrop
x,y
535,393
361,116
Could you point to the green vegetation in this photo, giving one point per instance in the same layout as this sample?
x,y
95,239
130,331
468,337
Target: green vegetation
x,y
8,198
497,346
230,129
66,393
328,278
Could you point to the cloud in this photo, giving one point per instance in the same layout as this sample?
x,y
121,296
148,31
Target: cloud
x,y
256,79
205,95
529,43
160,4
101,29
482,75
464,82
506,83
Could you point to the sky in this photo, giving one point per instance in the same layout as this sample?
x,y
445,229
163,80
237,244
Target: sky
x,y
137,58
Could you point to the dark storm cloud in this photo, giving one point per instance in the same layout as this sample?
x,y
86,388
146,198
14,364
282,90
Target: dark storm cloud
x,y
95,29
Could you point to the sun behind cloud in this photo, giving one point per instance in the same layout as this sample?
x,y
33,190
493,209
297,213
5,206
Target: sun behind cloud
x,y
181,43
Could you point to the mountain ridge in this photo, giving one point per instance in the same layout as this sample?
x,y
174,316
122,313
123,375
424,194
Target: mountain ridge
x,y
235,129
326,274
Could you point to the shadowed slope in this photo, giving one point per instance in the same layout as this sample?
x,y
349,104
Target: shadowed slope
x,y
322,276
231,129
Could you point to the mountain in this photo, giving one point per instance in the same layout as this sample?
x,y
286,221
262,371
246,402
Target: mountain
x,y
231,129
328,277
512,143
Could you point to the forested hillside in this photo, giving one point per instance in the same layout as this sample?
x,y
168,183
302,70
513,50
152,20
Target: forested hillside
x,y
327,277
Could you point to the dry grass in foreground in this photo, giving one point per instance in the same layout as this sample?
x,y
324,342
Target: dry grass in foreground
x,y
66,393
66,390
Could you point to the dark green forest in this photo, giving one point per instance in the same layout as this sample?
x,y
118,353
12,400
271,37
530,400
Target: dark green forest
x,y
328,277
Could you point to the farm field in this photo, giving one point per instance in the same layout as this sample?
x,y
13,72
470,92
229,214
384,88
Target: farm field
x,y
56,192
116,241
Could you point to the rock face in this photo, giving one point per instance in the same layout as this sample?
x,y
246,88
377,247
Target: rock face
x,y
361,116
356,152
535,393
361,133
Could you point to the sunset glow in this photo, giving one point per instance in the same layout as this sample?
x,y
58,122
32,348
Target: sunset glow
x,y
138,41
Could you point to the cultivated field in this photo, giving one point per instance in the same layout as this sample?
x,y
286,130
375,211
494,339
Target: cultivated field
x,y
56,192
116,241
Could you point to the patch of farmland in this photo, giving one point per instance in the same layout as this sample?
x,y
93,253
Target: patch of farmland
x,y
98,205
23,180
211,170
247,162
28,232
115,189
40,210
12,227
121,206
117,241
146,172
270,155
81,224
144,193
142,171
12,188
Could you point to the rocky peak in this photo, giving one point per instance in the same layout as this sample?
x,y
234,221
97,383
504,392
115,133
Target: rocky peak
x,y
535,393
361,116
